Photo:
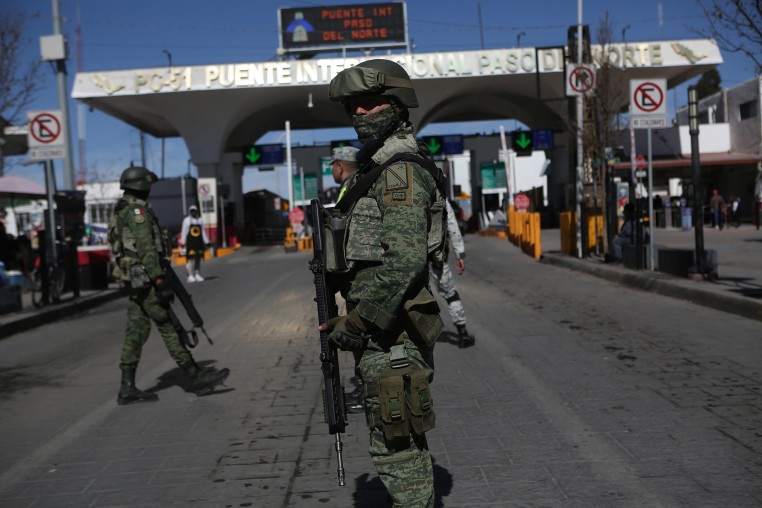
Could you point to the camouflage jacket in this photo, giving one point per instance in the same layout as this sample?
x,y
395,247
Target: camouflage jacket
x,y
455,239
136,241
388,240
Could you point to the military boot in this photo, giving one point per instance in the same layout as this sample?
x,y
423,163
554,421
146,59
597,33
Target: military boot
x,y
464,338
129,393
204,381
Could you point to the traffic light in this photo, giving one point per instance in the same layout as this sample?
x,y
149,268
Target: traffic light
x,y
435,144
522,142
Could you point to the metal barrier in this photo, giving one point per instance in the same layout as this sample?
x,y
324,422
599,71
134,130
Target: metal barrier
x,y
568,228
524,231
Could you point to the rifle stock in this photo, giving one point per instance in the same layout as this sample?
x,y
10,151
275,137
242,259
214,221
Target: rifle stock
x,y
334,406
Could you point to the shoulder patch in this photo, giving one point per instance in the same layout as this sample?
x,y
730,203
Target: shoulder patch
x,y
139,215
399,185
397,177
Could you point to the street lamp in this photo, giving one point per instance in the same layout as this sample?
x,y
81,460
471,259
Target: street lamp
x,y
518,39
698,206
624,32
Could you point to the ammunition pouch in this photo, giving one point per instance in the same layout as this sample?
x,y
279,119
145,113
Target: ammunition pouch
x,y
138,276
405,402
334,241
421,319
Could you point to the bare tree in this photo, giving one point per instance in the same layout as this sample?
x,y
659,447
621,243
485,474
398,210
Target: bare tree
x,y
19,82
736,25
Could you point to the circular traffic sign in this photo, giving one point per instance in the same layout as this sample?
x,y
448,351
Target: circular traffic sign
x,y
640,162
296,216
648,97
582,79
45,128
522,202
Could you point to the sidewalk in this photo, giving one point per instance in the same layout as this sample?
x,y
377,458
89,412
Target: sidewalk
x,y
738,288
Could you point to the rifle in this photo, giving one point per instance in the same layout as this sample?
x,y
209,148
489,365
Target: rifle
x,y
189,337
334,405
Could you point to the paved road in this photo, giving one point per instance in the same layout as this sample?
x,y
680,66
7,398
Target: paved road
x,y
579,392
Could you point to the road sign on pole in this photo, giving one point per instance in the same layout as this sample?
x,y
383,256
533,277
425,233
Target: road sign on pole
x,y
46,135
648,103
580,79
640,162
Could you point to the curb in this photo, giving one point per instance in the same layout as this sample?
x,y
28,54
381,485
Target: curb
x,y
666,285
55,312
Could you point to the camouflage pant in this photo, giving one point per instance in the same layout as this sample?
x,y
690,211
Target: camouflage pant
x,y
142,308
446,287
403,465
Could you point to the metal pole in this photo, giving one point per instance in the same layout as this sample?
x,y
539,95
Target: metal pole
x,y
63,104
650,203
579,188
289,168
698,206
49,187
222,212
507,165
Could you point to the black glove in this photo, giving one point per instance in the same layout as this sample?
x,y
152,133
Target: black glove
x,y
164,293
348,333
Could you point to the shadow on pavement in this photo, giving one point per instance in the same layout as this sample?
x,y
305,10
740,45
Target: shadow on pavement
x,y
177,377
449,338
17,379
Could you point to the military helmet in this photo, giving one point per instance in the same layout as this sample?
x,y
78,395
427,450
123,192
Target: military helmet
x,y
137,178
377,76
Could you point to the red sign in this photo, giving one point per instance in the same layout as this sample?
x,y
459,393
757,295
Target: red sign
x,y
522,202
582,80
640,162
296,216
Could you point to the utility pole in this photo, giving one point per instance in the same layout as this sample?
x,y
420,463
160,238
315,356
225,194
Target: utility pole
x,y
63,103
580,105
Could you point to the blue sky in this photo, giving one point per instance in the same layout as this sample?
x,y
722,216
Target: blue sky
x,y
140,33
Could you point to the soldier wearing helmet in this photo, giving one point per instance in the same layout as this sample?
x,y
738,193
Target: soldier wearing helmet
x,y
138,245
395,223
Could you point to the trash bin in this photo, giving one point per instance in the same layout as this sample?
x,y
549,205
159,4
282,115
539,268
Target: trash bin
x,y
686,218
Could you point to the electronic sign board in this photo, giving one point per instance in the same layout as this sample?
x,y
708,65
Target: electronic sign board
x,y
328,28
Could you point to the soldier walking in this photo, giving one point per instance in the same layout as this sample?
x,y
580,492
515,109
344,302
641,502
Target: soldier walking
x,y
394,211
442,276
138,245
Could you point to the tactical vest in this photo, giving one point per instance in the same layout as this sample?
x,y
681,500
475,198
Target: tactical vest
x,y
354,225
127,266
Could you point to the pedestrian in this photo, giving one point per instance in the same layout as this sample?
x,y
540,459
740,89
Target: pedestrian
x,y
627,233
735,210
395,227
193,242
343,166
138,245
717,205
442,276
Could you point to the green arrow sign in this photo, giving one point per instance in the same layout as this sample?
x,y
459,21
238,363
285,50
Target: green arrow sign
x,y
433,145
252,155
523,141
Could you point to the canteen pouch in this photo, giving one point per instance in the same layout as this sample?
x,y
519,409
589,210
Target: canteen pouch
x,y
335,236
422,321
419,402
392,405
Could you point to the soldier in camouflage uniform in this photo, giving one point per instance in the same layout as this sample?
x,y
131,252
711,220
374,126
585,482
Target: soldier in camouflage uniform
x,y
393,231
442,276
138,245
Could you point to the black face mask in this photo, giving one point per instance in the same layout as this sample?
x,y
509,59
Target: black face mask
x,y
367,126
139,194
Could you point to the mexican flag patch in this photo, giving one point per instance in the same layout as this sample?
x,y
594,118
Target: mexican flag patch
x,y
137,211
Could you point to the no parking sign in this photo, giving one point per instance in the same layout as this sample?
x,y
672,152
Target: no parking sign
x,y
648,103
